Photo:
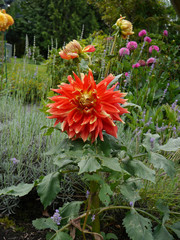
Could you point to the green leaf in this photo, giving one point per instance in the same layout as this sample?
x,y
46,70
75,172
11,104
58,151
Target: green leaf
x,y
88,164
61,236
130,191
137,227
137,168
49,188
176,228
110,236
163,208
147,142
160,162
44,223
111,163
20,190
69,211
60,162
104,194
171,146
94,177
161,233
133,105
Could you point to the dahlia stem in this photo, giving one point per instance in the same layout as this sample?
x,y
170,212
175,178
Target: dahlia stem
x,y
112,50
95,202
79,73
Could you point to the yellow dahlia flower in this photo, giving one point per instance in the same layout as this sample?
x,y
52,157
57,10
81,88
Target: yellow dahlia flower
x,y
5,20
125,27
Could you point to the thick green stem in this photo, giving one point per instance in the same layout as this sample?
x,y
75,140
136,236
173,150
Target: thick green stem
x,y
112,50
95,202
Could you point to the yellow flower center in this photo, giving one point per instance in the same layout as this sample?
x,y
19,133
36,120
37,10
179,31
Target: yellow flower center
x,y
86,99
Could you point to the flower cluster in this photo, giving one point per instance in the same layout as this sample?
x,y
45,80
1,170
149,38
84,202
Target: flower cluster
x,y
86,109
56,217
5,20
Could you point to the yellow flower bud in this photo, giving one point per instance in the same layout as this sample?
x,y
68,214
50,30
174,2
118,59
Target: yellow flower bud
x,y
125,27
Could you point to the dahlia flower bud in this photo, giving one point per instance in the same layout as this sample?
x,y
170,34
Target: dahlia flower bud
x,y
125,27
153,47
165,33
147,39
142,33
124,51
142,63
150,61
132,45
73,49
136,65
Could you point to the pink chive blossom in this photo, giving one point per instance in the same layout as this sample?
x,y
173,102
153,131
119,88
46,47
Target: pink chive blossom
x,y
136,65
132,45
165,33
150,61
153,47
126,74
142,63
142,33
124,51
147,39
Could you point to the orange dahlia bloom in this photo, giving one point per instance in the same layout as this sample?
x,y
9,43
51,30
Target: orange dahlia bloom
x,y
5,20
85,108
73,49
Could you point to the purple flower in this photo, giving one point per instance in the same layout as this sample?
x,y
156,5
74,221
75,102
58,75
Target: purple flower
x,y
147,39
132,45
87,194
165,33
14,160
93,218
142,33
150,61
152,142
131,204
124,51
153,47
56,217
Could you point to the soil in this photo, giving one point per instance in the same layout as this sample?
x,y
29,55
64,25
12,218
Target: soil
x,y
19,225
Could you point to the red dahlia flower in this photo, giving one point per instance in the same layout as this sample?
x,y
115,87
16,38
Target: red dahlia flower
x,y
73,49
86,109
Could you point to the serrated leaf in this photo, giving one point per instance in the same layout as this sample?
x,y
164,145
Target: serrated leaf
x,y
49,188
160,162
111,163
104,194
137,168
161,233
137,227
61,236
171,146
44,223
69,211
88,164
20,190
176,228
147,142
130,192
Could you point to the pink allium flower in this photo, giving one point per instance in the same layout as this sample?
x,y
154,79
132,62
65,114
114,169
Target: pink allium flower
x,y
131,45
150,61
142,33
126,74
165,33
147,39
124,51
153,47
136,65
142,63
